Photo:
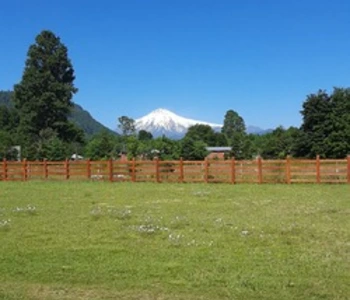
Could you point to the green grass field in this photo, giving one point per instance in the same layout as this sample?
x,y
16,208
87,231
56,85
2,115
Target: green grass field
x,y
93,240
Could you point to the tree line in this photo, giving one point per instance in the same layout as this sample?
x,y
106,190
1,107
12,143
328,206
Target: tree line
x,y
35,116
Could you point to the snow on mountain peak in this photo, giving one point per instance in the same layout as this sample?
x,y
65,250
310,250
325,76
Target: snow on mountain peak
x,y
164,122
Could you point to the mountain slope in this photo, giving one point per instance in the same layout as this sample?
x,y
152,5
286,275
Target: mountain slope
x,y
85,121
79,116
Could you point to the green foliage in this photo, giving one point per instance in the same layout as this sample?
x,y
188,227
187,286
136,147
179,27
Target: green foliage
x,y
220,140
5,98
240,145
8,123
48,146
206,134
193,150
144,135
132,147
168,149
55,150
9,119
102,146
6,144
326,125
339,137
161,147
277,144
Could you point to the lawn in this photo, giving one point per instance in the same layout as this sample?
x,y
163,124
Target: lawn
x,y
95,240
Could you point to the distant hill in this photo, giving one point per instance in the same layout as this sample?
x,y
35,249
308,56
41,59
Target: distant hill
x,y
257,130
79,116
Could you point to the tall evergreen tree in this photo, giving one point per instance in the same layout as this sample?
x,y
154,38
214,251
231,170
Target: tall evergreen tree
x,y
5,98
43,98
233,123
8,119
235,131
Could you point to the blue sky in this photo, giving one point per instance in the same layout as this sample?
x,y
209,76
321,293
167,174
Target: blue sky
x,y
260,58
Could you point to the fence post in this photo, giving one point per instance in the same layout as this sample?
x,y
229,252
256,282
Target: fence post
x,y
25,174
133,170
46,171
181,170
66,167
110,170
157,169
4,166
348,159
288,170
318,169
260,178
206,170
88,168
233,170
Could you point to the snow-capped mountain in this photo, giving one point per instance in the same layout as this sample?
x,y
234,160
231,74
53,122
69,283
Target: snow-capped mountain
x,y
164,122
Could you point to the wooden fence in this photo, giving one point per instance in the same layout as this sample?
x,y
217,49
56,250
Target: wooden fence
x,y
209,171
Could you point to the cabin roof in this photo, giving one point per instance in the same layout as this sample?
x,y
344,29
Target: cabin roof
x,y
218,149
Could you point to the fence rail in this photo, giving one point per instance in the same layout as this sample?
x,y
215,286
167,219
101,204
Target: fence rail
x,y
209,171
